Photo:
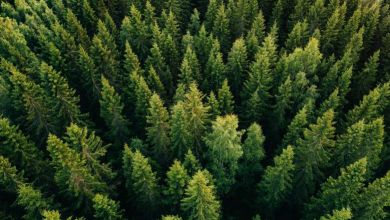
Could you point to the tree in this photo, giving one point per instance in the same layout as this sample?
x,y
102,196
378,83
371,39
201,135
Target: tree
x,y
105,208
179,130
255,35
143,182
89,75
189,69
341,214
21,151
221,28
111,108
340,192
215,69
142,96
237,65
364,80
32,200
277,181
171,217
362,139
298,37
197,117
176,181
200,201
51,215
333,28
225,99
158,62
9,178
154,82
313,154
191,163
253,153
224,150
157,129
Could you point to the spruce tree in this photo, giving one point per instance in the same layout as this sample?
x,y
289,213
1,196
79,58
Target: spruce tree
x,y
298,37
215,69
237,65
212,102
111,110
317,143
221,28
340,192
32,200
341,214
105,208
176,181
157,129
191,163
179,130
189,69
199,200
225,99
224,151
51,215
276,184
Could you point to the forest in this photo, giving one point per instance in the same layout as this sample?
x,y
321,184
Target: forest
x,y
195,109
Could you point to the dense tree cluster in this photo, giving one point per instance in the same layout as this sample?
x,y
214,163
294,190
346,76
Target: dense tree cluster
x,y
206,110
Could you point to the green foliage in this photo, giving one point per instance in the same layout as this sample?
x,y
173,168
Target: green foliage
x,y
199,200
105,208
32,200
224,147
342,214
176,181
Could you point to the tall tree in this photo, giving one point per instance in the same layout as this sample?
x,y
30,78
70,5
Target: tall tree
x,y
176,181
179,130
199,200
105,208
237,65
225,99
111,110
276,184
157,129
224,151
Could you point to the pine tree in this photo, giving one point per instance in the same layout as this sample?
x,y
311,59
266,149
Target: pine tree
x,y
317,143
225,99
143,182
333,28
76,28
176,181
221,28
362,139
111,108
178,132
255,35
364,80
131,62
157,129
21,151
153,81
194,24
197,117
215,68
158,62
89,75
277,181
142,97
32,200
191,163
105,208
253,154
72,174
224,151
51,215
200,201
374,200
9,178
212,102
190,71
341,214
340,192
298,37
237,65
211,14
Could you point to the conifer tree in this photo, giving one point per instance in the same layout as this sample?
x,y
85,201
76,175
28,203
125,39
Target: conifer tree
x,y
212,102
176,181
237,65
157,61
51,215
340,192
224,151
197,117
255,35
32,200
111,108
194,23
276,184
364,80
76,28
153,81
298,37
215,68
341,214
190,71
318,136
157,129
105,208
171,217
142,97
89,75
131,62
143,182
225,99
362,139
179,133
199,200
9,178
332,29
253,154
221,28
191,163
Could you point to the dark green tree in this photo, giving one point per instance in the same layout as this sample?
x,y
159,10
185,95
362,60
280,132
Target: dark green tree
x,y
105,208
225,99
237,65
176,181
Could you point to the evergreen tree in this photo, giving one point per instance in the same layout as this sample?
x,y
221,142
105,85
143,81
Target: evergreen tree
x,y
215,68
179,133
176,181
111,108
154,81
51,215
190,162
105,208
9,178
255,35
189,68
340,192
171,217
277,181
341,214
157,129
362,139
214,106
158,62
225,99
142,96
144,182
253,154
298,37
224,151
32,200
363,81
89,75
200,201
221,28
332,29
237,65
317,143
